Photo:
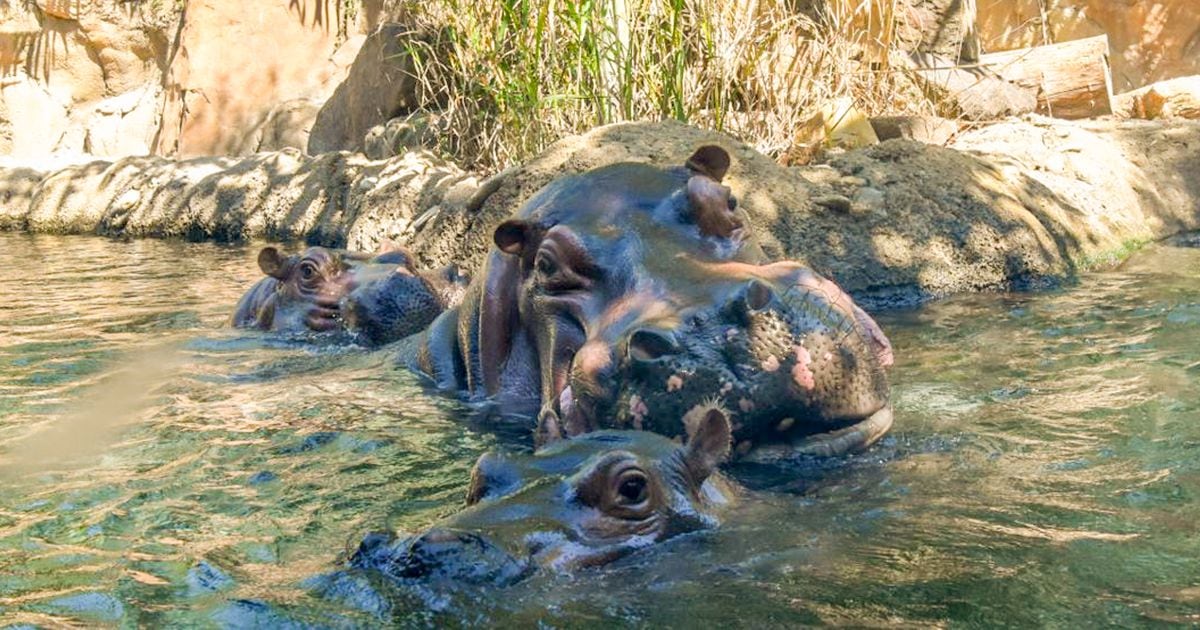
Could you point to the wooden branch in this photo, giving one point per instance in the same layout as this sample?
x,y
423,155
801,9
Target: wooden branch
x,y
1072,79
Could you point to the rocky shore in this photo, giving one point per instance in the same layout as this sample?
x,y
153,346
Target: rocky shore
x,y
1004,205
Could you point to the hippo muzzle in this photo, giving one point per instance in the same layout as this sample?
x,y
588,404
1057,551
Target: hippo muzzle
x,y
789,354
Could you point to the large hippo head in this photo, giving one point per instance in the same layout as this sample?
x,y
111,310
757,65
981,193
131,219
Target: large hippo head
x,y
613,285
795,360
378,297
574,504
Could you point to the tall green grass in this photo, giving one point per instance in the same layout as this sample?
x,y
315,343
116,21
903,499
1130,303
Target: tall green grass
x,y
512,76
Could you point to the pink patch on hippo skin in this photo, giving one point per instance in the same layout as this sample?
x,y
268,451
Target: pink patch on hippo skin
x,y
770,364
674,383
638,408
746,405
800,372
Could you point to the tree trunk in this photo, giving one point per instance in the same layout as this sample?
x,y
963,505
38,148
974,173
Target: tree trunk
x,y
1071,79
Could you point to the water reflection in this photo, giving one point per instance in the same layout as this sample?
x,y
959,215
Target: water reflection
x,y
158,469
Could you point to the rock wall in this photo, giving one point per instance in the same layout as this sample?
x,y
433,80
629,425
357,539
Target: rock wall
x,y
112,78
237,61
81,76
1006,205
1150,40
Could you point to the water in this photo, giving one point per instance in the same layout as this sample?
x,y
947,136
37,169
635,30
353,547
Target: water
x,y
156,468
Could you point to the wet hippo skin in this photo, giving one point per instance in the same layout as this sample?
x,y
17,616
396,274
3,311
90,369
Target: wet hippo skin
x,y
379,298
629,295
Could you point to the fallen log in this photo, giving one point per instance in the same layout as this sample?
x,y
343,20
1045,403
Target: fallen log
x,y
1071,79
967,91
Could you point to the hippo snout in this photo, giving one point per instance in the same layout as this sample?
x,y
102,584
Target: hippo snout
x,y
440,555
384,307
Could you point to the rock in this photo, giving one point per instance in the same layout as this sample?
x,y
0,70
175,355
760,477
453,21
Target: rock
x,y
927,129
76,56
285,126
868,200
380,86
334,199
235,62
123,125
945,28
418,130
37,118
1175,98
969,92
839,124
837,203
17,187
63,9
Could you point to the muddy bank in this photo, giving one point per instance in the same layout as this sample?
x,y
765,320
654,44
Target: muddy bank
x,y
1005,205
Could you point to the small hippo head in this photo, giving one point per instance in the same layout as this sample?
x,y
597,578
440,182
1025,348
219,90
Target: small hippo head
x,y
379,298
574,504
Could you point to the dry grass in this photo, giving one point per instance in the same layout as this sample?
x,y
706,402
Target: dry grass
x,y
512,76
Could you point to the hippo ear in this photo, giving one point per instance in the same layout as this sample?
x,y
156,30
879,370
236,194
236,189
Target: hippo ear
x,y
549,429
710,160
708,443
273,263
712,207
514,236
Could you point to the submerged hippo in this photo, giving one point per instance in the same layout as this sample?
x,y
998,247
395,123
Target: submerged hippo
x,y
611,287
575,503
379,297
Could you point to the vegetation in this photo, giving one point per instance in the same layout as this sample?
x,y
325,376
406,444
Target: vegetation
x,y
515,75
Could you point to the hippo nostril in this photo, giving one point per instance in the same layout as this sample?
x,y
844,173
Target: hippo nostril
x,y
649,345
758,295
437,536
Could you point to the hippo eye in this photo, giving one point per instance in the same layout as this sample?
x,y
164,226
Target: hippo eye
x,y
546,266
308,271
632,487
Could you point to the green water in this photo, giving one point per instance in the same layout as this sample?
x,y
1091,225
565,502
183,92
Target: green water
x,y
155,468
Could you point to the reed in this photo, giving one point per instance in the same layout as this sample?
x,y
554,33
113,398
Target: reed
x,y
512,76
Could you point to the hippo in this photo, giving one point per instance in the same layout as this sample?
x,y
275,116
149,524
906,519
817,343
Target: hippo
x,y
798,362
379,298
613,286
574,504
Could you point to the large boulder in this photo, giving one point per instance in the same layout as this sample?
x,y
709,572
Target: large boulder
x,y
236,61
62,59
380,86
115,127
903,221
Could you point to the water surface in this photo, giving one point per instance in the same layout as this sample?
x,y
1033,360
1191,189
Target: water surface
x,y
156,468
